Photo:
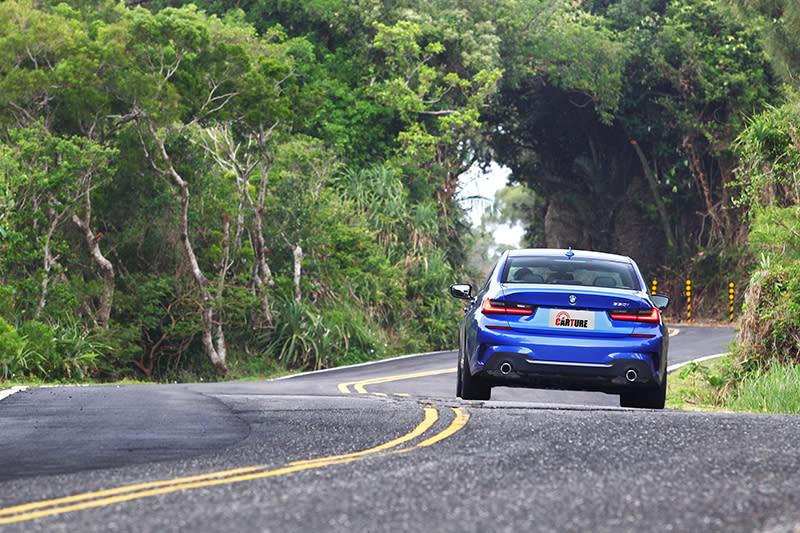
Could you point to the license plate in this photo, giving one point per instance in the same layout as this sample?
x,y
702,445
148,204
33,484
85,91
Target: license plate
x,y
567,319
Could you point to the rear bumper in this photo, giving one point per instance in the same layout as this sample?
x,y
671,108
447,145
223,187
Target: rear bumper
x,y
615,376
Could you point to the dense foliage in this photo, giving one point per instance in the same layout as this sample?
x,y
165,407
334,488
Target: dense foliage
x,y
768,187
188,192
191,190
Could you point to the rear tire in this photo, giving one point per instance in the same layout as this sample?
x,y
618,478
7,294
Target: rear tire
x,y
459,378
652,398
471,387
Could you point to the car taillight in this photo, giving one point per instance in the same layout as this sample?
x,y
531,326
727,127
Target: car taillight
x,y
500,307
650,315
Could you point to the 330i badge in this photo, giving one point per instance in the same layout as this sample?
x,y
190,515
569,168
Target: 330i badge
x,y
567,319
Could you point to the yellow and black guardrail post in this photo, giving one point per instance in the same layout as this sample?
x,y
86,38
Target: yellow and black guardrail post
x,y
731,287
688,300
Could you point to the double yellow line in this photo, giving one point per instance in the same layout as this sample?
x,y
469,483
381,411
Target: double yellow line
x,y
89,500
359,386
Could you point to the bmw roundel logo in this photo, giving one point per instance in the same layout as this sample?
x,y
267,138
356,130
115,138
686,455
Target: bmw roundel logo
x,y
572,299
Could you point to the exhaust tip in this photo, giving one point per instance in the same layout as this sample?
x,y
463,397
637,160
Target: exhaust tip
x,y
631,375
505,368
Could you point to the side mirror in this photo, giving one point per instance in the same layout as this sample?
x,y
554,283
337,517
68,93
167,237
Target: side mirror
x,y
660,301
462,291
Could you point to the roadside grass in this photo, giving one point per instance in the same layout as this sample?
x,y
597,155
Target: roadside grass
x,y
8,384
699,386
776,390
721,385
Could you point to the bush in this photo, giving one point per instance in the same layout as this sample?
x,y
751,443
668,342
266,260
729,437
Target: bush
x,y
67,350
17,359
436,311
770,326
161,326
304,338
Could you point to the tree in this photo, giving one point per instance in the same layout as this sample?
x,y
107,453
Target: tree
x,y
303,164
777,21
714,74
553,121
51,180
649,138
243,161
186,77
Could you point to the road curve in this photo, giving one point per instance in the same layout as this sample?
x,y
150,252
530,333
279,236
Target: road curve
x,y
386,447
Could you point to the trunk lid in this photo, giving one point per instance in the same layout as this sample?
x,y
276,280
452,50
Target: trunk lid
x,y
572,310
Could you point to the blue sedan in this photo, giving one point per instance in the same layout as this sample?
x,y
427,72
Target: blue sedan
x,y
564,319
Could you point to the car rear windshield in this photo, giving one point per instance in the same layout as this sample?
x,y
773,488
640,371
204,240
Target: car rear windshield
x,y
562,271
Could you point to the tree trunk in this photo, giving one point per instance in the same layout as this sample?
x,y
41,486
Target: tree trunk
x,y
651,180
297,253
703,181
49,260
212,328
104,310
218,332
298,260
214,350
264,274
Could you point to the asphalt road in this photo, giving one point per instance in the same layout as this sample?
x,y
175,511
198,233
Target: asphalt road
x,y
386,447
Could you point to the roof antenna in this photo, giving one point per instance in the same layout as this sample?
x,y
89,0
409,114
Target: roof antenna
x,y
570,253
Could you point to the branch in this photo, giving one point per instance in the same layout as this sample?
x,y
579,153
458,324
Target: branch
x,y
786,226
27,115
144,145
439,113
124,119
